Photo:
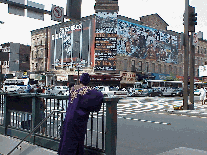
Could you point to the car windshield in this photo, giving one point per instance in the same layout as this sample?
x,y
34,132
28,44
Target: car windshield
x,y
113,89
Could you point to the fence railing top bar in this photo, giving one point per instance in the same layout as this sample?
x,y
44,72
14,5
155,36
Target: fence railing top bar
x,y
111,99
105,99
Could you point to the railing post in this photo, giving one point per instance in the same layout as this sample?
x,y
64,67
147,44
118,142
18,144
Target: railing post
x,y
7,115
111,126
35,112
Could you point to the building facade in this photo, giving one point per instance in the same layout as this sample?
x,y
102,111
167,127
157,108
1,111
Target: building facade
x,y
107,43
15,59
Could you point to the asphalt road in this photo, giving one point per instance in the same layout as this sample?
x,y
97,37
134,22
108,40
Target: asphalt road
x,y
148,138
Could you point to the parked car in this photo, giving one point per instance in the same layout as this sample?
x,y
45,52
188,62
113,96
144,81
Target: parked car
x,y
112,91
57,90
152,92
177,92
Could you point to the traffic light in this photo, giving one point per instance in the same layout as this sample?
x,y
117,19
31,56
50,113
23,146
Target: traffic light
x,y
192,19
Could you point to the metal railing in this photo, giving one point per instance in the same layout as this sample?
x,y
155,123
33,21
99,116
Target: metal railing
x,y
20,121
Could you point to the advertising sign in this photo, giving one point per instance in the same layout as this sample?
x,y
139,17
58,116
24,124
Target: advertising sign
x,y
202,71
106,41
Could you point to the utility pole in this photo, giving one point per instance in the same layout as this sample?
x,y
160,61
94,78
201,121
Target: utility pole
x,y
186,57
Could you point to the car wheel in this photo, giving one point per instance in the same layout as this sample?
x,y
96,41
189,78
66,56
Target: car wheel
x,y
181,95
150,95
160,95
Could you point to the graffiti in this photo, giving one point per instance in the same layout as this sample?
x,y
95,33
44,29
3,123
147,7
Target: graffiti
x,y
106,41
146,43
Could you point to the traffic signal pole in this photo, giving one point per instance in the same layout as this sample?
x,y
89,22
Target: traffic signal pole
x,y
190,20
192,71
186,57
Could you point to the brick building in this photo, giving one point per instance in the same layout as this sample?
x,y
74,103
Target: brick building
x,y
14,58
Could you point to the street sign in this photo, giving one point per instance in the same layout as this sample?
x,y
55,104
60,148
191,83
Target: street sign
x,y
14,8
57,13
195,39
33,13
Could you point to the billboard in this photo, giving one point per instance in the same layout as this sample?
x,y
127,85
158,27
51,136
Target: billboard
x,y
70,45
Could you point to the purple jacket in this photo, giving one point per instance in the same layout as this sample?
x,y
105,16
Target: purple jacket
x,y
82,101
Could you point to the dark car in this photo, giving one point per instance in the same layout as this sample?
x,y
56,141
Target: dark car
x,y
177,92
152,92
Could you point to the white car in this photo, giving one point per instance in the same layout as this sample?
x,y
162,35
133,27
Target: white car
x,y
197,92
58,90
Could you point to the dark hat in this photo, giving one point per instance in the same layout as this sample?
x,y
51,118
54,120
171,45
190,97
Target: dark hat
x,y
85,78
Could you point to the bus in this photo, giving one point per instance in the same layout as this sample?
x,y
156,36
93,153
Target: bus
x,y
138,88
13,85
198,85
167,87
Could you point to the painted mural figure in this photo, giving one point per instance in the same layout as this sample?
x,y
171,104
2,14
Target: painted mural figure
x,y
146,42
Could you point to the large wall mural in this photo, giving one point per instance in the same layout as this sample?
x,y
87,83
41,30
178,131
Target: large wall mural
x,y
146,43
105,41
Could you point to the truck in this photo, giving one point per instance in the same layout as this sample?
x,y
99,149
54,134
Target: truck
x,y
112,91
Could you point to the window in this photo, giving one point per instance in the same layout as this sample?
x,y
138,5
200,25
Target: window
x,y
180,71
204,50
133,62
125,64
198,49
201,62
133,66
165,69
153,67
175,70
180,58
170,69
140,66
147,67
159,68
26,58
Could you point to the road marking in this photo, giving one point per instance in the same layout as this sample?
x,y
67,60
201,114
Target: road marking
x,y
135,119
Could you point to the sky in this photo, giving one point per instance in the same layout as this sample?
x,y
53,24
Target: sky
x,y
17,28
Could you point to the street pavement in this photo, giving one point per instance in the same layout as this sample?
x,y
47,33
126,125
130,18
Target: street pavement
x,y
139,116
151,126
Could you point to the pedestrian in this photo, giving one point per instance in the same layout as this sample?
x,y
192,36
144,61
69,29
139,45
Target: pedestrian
x,y
202,95
82,100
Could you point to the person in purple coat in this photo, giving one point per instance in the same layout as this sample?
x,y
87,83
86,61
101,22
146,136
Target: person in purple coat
x,y
82,101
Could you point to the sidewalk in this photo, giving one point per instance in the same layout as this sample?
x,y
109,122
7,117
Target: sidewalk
x,y
7,143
